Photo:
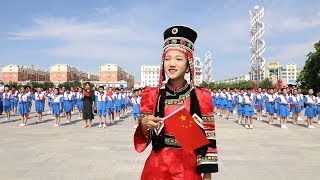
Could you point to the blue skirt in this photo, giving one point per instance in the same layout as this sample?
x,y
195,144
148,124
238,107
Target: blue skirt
x,y
14,103
260,102
283,110
23,108
218,102
110,111
6,108
39,105
296,108
79,105
68,106
240,109
230,106
310,111
223,104
56,109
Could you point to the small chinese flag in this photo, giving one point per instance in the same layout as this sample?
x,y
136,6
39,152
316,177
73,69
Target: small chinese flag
x,y
185,130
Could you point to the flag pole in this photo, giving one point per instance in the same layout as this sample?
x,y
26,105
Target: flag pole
x,y
174,112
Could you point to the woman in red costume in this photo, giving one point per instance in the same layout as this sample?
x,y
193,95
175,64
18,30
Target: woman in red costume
x,y
168,160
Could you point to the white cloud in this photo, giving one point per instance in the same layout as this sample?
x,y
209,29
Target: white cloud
x,y
295,52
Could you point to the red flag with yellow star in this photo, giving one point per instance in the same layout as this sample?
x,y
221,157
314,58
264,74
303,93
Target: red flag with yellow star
x,y
185,129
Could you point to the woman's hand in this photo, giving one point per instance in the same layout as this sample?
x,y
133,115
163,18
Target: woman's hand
x,y
151,122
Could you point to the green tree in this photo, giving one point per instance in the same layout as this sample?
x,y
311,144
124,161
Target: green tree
x,y
310,75
47,85
266,84
203,84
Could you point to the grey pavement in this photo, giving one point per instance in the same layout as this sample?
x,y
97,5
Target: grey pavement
x,y
40,151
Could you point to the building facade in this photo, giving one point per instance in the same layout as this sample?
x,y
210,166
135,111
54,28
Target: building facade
x,y
150,74
60,73
18,73
288,73
114,73
235,79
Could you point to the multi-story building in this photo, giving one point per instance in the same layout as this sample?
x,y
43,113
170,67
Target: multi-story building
x,y
18,73
114,73
288,73
150,74
64,72
235,79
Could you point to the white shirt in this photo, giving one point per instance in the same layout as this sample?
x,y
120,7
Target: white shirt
x,y
79,95
102,97
310,100
56,98
38,96
136,100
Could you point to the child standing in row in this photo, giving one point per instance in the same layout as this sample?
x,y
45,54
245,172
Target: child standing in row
x,y
110,105
14,100
6,102
39,103
79,96
101,106
68,100
23,106
136,99
57,100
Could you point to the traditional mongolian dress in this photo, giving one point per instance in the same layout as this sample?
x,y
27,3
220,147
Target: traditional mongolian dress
x,y
168,160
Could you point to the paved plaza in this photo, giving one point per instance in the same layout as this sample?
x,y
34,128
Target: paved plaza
x,y
42,152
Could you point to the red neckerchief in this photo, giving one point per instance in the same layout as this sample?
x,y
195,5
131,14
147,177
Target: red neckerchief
x,y
250,97
13,92
54,97
38,96
110,95
311,97
68,96
101,94
285,97
6,95
21,98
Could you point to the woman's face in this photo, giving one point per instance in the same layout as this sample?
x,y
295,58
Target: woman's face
x,y
175,64
87,86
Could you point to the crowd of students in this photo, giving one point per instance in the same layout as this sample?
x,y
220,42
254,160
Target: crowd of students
x,y
275,104
65,101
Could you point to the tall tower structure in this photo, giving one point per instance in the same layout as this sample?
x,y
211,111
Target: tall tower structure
x,y
208,67
257,44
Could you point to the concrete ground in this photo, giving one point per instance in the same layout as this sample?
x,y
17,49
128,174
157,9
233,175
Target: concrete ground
x,y
40,151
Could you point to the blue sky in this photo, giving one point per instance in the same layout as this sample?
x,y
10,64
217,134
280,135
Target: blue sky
x,y
87,34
